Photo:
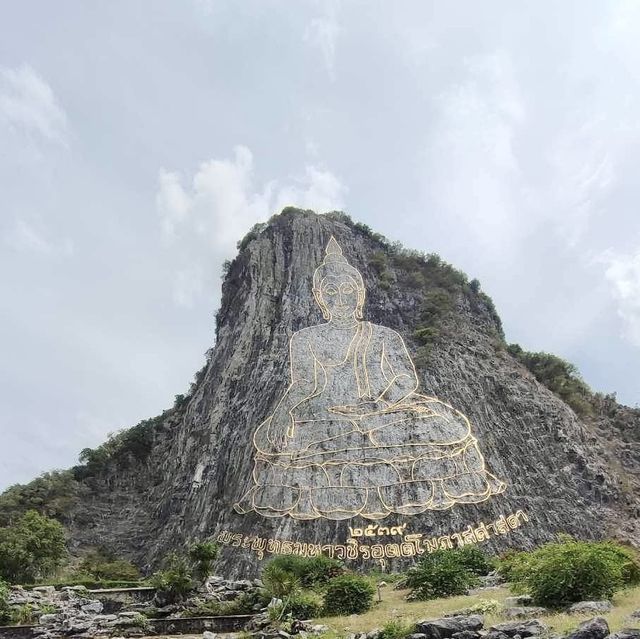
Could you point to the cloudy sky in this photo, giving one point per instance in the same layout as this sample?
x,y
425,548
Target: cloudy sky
x,y
139,140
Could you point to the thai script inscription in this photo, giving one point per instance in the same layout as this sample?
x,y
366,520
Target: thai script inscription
x,y
410,544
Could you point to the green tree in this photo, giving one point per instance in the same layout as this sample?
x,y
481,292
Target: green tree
x,y
203,554
33,548
52,494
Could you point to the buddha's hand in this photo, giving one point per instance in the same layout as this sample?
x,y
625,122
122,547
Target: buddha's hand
x,y
280,432
361,409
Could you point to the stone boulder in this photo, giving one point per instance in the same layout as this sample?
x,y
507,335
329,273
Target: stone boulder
x,y
530,628
626,633
524,612
518,600
446,627
590,607
596,628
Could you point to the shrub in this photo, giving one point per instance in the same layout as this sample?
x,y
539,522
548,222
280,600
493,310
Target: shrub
x,y
348,595
472,558
483,607
320,570
310,572
440,574
512,564
33,547
304,606
561,573
203,554
280,582
23,615
5,610
396,629
174,582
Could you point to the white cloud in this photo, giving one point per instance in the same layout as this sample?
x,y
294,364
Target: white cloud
x,y
323,32
623,274
473,170
223,202
318,190
28,104
25,236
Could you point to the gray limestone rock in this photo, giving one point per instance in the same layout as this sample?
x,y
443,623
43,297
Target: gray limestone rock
x,y
530,628
519,600
626,633
596,628
524,612
449,626
590,607
567,475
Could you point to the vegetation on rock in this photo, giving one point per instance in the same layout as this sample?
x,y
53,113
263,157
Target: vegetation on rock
x,y
120,450
559,376
52,494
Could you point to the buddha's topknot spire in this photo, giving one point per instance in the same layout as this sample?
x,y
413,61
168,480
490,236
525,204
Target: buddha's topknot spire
x,y
334,252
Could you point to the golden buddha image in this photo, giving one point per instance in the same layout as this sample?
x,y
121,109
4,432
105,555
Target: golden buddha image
x,y
351,435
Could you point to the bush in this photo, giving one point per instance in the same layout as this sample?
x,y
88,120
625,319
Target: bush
x,y
23,615
5,610
440,574
33,547
320,570
396,629
512,564
203,554
310,572
561,573
280,582
348,595
304,606
174,582
472,558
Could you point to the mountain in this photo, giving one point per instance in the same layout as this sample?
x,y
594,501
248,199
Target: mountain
x,y
529,463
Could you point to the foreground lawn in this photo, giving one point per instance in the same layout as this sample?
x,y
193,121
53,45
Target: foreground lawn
x,y
394,607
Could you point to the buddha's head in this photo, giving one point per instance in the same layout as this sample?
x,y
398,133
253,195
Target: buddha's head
x,y
338,286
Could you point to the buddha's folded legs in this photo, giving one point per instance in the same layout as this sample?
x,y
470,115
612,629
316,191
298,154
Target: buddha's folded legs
x,y
423,422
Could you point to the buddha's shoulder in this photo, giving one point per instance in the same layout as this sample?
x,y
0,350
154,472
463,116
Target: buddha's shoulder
x,y
384,332
307,332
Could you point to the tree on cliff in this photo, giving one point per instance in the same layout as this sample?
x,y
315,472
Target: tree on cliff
x,y
31,549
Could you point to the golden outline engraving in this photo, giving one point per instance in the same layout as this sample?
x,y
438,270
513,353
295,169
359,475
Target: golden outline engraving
x,y
409,545
351,436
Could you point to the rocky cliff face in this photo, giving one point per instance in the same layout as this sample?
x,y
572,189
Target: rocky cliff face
x,y
567,475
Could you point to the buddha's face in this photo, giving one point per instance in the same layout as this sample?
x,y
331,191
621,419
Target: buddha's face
x,y
339,296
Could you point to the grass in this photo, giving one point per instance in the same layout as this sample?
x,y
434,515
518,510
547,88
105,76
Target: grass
x,y
395,607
